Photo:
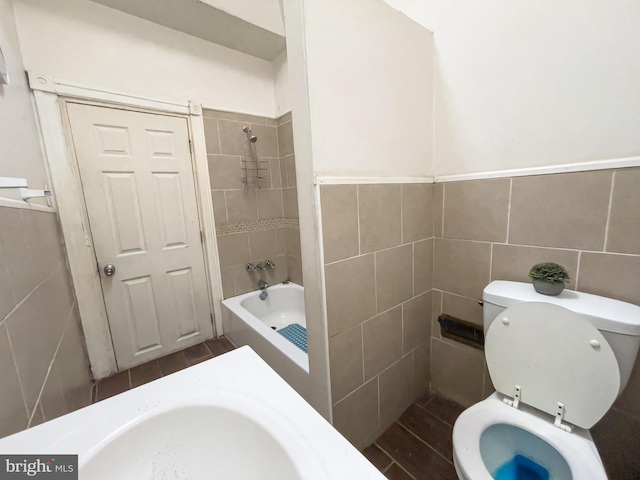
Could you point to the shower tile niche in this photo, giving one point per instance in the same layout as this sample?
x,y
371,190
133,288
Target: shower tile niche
x,y
253,224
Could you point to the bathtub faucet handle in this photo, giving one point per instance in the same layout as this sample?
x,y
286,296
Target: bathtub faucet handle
x,y
259,266
269,264
251,267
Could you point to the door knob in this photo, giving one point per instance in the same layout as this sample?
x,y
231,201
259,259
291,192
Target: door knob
x,y
109,270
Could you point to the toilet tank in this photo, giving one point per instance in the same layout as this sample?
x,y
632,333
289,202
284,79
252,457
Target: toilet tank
x,y
619,322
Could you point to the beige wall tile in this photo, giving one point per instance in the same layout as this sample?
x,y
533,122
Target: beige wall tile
x,y
219,114
224,172
274,172
233,249
290,200
294,270
567,210
283,173
477,210
263,245
285,139
417,211
396,390
421,365
267,144
416,322
17,255
52,397
45,241
233,141
422,266
34,340
351,296
382,341
356,416
270,203
380,216
436,309
252,119
610,275
457,372
13,414
290,163
211,135
283,118
461,266
242,205
345,362
293,242
219,207
73,366
228,281
438,208
281,237
464,308
487,387
513,262
394,276
624,222
7,301
339,221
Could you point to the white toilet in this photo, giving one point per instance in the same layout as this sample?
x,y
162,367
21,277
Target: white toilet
x,y
558,364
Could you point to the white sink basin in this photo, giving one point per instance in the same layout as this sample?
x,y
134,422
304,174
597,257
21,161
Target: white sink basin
x,y
229,418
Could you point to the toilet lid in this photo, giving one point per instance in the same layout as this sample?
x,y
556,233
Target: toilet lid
x,y
554,355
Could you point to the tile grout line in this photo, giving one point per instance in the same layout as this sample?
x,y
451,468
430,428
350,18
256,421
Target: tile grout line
x,y
578,268
425,443
358,218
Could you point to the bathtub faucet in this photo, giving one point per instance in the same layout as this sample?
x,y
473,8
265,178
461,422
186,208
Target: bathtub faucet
x,y
262,285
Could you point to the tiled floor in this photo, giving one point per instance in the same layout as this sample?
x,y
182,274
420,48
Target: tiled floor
x,y
418,446
147,372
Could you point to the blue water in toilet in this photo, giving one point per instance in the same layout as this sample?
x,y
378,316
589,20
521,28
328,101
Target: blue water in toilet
x,y
521,468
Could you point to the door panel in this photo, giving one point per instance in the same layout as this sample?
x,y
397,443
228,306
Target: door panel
x,y
139,191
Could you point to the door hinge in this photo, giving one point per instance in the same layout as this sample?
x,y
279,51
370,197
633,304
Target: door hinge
x,y
190,146
201,236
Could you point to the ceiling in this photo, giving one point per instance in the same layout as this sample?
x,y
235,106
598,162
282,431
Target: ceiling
x,y
251,27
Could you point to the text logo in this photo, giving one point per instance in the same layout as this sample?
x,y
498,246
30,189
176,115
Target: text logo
x,y
50,467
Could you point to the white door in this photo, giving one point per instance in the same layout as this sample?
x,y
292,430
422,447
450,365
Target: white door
x,y
139,190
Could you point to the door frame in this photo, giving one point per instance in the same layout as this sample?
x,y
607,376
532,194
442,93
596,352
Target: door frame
x,y
51,97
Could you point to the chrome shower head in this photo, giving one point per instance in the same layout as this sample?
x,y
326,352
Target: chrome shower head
x,y
252,138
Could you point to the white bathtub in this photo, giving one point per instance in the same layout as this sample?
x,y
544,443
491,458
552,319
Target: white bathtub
x,y
247,320
229,418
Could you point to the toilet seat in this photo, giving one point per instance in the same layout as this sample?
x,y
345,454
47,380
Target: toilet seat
x,y
554,360
577,448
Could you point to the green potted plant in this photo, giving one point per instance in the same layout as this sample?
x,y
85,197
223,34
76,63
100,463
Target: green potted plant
x,y
549,278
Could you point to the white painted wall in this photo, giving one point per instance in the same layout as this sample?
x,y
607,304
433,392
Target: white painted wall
x,y
281,87
83,42
526,84
370,76
20,150
264,13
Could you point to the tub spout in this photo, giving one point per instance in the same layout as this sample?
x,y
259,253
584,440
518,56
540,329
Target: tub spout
x,y
262,285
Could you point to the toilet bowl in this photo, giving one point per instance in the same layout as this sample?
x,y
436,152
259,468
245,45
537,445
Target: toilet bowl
x,y
557,365
491,433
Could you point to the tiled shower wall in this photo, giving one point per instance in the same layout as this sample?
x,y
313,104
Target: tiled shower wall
x,y
496,229
44,370
253,224
378,251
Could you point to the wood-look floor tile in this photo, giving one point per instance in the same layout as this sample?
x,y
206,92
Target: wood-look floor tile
x,y
376,456
426,397
433,431
444,408
394,472
172,363
145,373
197,353
421,461
218,346
111,386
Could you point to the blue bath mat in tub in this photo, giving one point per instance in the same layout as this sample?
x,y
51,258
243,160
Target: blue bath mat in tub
x,y
296,334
